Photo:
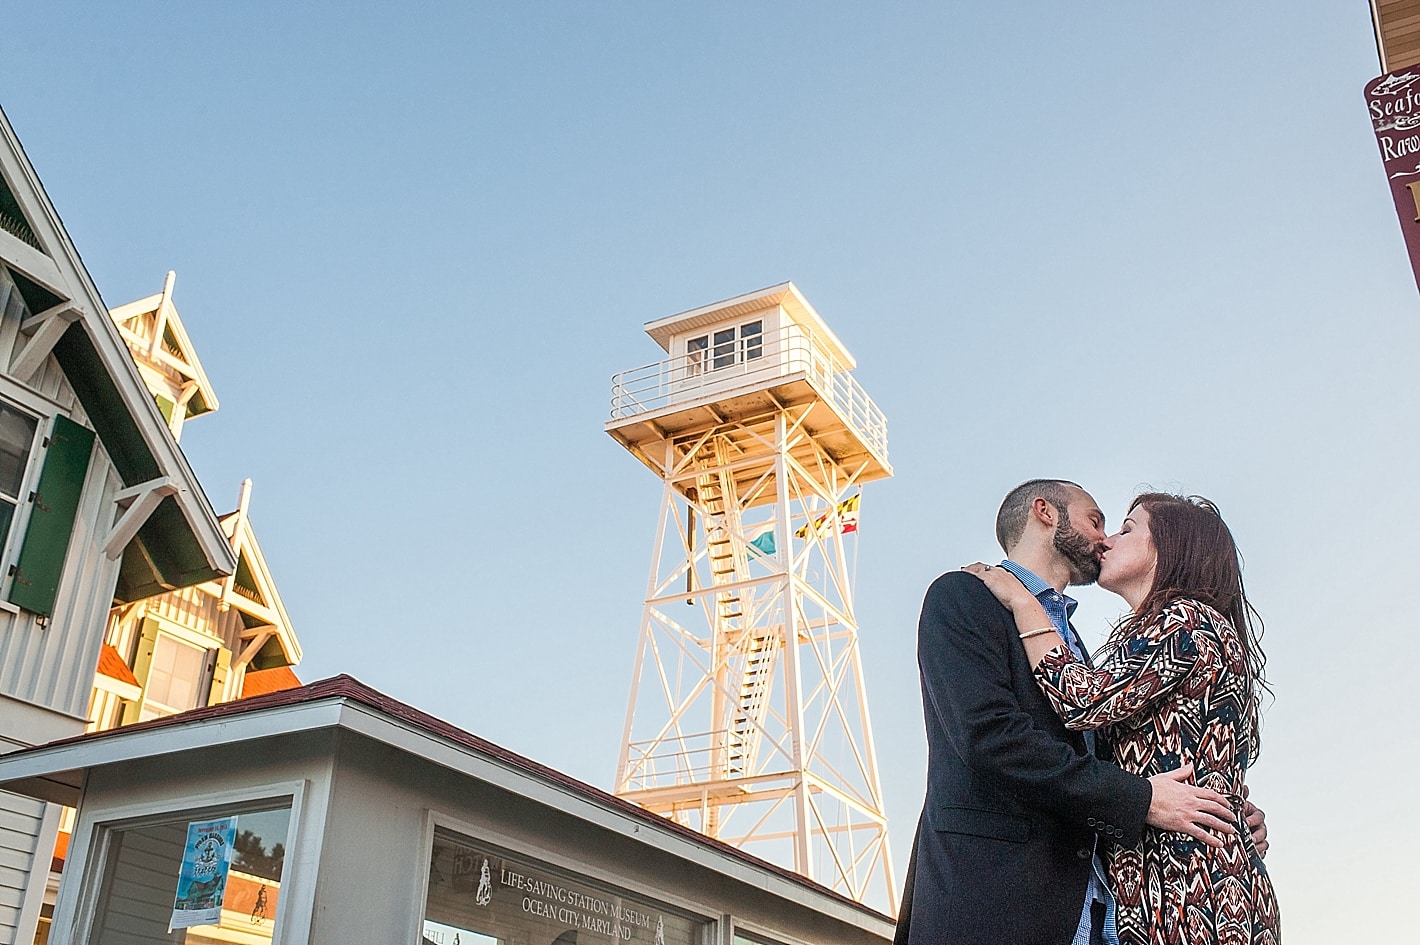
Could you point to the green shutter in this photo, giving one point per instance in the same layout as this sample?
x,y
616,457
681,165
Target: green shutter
x,y
165,407
221,669
142,664
52,508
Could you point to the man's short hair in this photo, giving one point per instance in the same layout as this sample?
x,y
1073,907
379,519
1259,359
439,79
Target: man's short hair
x,y
1015,508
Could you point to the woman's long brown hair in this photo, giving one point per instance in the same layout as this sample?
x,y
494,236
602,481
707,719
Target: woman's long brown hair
x,y
1198,560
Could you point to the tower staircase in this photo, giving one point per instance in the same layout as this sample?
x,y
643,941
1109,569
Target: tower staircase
x,y
758,647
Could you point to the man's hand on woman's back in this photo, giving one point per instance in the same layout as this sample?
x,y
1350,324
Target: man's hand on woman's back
x,y
1180,806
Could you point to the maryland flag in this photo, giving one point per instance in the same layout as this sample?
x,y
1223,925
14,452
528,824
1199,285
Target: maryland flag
x,y
846,515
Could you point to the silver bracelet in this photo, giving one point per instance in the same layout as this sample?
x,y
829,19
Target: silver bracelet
x,y
1035,633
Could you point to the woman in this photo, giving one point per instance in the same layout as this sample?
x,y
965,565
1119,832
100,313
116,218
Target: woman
x,y
1177,683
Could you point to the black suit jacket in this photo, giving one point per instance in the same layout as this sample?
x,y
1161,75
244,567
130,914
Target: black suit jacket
x,y
1015,802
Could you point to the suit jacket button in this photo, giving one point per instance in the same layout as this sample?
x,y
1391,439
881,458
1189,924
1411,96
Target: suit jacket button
x,y
1084,853
1092,822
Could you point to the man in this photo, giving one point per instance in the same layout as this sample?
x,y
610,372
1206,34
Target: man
x,y
1005,852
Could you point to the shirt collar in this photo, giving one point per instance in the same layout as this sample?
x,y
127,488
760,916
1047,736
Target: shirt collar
x,y
1037,586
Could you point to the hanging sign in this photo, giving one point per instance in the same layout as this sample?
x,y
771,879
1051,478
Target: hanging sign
x,y
202,878
1394,104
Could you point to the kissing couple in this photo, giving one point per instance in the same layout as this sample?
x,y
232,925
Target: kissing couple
x,y
1091,800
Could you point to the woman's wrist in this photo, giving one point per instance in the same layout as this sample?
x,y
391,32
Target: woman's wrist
x,y
1039,631
1026,607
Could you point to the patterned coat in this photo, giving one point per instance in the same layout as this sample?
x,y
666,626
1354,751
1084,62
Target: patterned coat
x,y
1175,691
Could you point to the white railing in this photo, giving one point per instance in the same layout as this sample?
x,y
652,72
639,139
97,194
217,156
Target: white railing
x,y
754,360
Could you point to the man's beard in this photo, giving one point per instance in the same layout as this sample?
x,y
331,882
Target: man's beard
x,y
1079,552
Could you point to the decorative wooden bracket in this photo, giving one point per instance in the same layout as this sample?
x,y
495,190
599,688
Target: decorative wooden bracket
x,y
44,331
137,502
254,647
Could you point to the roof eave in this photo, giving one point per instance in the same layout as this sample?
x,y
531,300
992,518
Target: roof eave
x,y
785,294
165,458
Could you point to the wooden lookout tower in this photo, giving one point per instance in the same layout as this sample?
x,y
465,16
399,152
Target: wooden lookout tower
x,y
748,718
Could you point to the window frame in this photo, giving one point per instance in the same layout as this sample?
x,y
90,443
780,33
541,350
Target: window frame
x,y
91,849
709,352
187,636
44,410
20,519
202,684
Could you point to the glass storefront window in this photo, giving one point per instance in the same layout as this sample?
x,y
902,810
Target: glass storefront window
x,y
479,895
148,865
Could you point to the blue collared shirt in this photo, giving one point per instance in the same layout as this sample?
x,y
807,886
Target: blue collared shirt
x,y
1059,607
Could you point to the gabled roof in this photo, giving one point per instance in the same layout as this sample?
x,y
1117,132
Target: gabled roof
x,y
179,543
162,341
251,589
56,772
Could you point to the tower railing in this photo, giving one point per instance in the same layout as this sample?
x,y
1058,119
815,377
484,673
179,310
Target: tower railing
x,y
752,361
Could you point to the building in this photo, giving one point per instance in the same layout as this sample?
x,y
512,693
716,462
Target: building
x,y
98,506
394,826
202,644
1397,26
194,646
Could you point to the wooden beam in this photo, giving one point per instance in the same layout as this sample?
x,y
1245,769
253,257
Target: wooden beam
x,y
45,330
254,647
144,498
34,264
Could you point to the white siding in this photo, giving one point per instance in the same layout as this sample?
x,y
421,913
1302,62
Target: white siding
x,y
53,665
27,831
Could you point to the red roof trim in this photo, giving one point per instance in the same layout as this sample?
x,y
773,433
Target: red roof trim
x,y
258,682
113,666
348,687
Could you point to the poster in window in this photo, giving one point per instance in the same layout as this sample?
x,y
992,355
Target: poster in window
x,y
202,878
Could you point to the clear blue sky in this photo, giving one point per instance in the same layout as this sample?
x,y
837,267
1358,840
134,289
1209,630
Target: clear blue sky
x,y
1127,244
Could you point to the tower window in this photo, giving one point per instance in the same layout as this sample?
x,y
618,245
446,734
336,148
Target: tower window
x,y
695,350
733,345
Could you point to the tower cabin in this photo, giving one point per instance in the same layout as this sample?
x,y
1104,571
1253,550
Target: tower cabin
x,y
751,356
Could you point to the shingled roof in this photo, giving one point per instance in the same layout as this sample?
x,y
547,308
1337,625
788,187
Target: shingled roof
x,y
344,687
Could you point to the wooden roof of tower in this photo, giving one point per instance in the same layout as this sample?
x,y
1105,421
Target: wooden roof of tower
x,y
785,294
1397,26
154,332
662,404
177,542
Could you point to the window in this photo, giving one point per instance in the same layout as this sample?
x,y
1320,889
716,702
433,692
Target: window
x,y
480,896
752,340
734,345
175,678
17,437
695,354
46,503
213,878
